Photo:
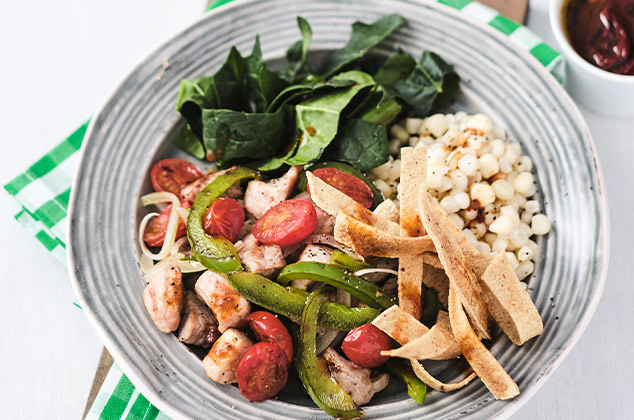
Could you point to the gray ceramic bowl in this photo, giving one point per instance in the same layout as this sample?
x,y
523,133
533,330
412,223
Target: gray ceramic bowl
x,y
133,130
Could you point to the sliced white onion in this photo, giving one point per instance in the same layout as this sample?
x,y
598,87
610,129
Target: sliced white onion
x,y
142,226
331,336
183,213
146,263
365,271
172,225
177,245
186,266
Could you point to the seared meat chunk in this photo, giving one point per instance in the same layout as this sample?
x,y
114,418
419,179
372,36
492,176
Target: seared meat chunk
x,y
223,358
260,259
354,379
261,196
198,326
227,305
191,190
163,298
325,223
316,253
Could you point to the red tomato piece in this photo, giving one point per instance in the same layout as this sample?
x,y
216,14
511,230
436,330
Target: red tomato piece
x,y
364,344
348,184
172,174
224,217
154,234
267,327
262,372
286,223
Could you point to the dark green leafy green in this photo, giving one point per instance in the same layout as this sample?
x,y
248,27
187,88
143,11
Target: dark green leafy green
x,y
397,67
430,305
362,38
296,54
189,142
295,92
263,85
361,144
432,84
234,135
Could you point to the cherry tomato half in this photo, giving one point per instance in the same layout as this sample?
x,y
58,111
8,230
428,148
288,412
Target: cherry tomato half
x,y
262,372
154,233
267,327
224,217
364,344
172,174
348,184
286,223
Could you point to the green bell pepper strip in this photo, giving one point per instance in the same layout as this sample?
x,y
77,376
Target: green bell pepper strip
x,y
214,252
367,292
290,303
302,182
344,260
415,387
313,371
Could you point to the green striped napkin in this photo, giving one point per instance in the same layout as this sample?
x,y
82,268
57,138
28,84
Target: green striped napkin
x,y
43,191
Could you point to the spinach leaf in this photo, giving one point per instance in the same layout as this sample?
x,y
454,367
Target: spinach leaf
x,y
294,92
194,95
362,38
234,135
361,144
262,84
318,117
432,84
296,54
396,67
385,112
189,142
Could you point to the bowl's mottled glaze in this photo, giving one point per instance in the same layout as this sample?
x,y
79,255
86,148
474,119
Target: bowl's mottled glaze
x,y
133,129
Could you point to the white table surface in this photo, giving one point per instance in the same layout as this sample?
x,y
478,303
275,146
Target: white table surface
x,y
59,61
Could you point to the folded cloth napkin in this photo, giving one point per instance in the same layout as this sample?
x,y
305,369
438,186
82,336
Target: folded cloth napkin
x,y
43,191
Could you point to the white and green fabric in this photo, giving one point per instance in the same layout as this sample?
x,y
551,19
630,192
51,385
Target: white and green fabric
x,y
43,191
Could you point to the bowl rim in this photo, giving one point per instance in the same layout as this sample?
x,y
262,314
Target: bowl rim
x,y
145,388
555,15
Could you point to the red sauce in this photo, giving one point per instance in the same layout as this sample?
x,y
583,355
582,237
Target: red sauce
x,y
602,32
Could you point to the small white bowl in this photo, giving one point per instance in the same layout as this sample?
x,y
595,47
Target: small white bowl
x,y
597,89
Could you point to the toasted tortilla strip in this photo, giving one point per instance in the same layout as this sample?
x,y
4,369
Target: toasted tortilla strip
x,y
410,267
481,360
436,279
508,303
431,259
367,240
434,383
387,210
332,201
399,325
454,262
437,344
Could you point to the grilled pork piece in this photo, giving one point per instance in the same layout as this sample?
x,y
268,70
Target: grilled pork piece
x,y
163,298
227,305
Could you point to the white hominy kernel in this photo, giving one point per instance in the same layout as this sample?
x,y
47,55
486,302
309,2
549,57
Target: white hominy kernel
x,y
462,200
470,236
434,177
524,253
519,241
523,182
381,171
475,178
540,225
526,217
394,171
457,220
445,185
510,177
459,179
412,125
467,151
499,245
488,165
396,202
524,164
497,148
516,148
469,164
531,191
394,146
470,214
510,212
503,189
510,155
490,238
523,285
451,138
461,116
503,225
449,205
532,206
483,193
479,230
480,122
486,148
505,166
489,218
436,155
400,133
483,247
524,229
383,187
512,259
436,124
476,142
524,270
534,248
413,141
